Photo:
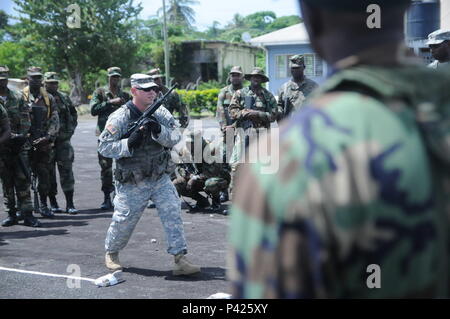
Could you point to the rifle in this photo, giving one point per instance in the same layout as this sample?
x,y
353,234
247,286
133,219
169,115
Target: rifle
x,y
147,116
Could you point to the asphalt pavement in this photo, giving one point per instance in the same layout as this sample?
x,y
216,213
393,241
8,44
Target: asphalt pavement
x,y
73,245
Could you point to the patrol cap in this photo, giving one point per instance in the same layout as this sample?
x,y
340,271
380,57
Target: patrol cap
x,y
236,69
143,81
114,70
354,5
155,73
297,61
438,36
34,70
4,72
257,71
51,77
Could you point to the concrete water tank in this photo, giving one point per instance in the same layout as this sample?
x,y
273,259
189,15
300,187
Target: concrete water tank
x,y
422,18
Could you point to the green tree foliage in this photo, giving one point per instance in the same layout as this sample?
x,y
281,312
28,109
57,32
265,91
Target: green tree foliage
x,y
179,12
14,56
106,37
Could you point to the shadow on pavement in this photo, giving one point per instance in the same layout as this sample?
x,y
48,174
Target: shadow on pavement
x,y
30,234
207,273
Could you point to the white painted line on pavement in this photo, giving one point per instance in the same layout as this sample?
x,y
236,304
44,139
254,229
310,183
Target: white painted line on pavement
x,y
45,274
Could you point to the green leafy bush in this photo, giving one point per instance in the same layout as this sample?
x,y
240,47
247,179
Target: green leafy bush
x,y
200,100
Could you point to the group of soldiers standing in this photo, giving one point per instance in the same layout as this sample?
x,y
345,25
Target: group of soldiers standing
x,y
41,121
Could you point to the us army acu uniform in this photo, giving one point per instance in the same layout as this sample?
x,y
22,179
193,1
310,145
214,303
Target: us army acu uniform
x,y
437,38
102,108
62,154
44,130
355,187
292,95
246,98
223,111
142,174
208,176
15,182
173,102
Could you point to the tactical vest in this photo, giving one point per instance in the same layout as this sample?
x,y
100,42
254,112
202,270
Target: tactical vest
x,y
149,161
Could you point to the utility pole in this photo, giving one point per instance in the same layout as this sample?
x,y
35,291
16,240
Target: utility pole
x,y
166,46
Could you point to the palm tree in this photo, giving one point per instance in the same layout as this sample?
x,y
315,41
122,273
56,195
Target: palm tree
x,y
179,12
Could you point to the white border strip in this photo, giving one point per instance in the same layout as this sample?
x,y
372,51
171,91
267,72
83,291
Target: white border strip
x,y
45,274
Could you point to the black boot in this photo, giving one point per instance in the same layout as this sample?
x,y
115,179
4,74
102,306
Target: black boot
x,y
202,203
30,220
54,205
106,205
224,196
11,220
44,210
70,208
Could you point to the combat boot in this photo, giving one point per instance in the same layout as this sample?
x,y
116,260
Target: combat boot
x,y
70,207
184,267
30,220
44,210
201,204
54,205
11,220
106,205
224,197
112,261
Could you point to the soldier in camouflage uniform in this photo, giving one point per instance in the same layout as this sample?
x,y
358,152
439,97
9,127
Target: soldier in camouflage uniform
x,y
104,102
293,93
44,130
361,172
15,181
439,43
142,166
62,153
251,107
173,102
210,177
236,78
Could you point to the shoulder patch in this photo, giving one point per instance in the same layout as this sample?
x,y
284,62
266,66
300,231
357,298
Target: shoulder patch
x,y
111,129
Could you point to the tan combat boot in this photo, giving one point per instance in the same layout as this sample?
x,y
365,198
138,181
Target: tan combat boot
x,y
112,261
184,267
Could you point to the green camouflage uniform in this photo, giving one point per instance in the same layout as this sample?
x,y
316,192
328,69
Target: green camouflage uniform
x,y
101,108
355,187
174,103
265,104
63,153
292,95
14,181
223,106
3,113
40,157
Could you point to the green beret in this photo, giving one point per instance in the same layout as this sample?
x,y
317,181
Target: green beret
x,y
354,5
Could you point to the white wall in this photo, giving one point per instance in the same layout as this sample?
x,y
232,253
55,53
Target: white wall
x,y
445,14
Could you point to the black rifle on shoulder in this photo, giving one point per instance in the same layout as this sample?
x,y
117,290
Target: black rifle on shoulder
x,y
147,115
247,124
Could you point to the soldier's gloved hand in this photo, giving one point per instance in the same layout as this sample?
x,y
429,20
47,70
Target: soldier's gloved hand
x,y
42,141
154,126
18,140
116,101
135,139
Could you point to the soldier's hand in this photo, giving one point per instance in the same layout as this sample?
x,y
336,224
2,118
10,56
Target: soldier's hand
x,y
116,101
41,141
154,126
136,138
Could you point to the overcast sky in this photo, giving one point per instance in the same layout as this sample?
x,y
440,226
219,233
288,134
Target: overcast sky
x,y
208,11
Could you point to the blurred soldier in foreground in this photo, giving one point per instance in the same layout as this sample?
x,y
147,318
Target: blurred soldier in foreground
x,y
14,165
43,133
293,93
439,43
173,103
142,167
358,202
62,153
105,101
252,107
210,177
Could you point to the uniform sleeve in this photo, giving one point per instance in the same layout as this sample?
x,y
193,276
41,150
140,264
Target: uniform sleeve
x,y
53,127
111,144
25,119
98,106
236,105
73,112
220,114
169,135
